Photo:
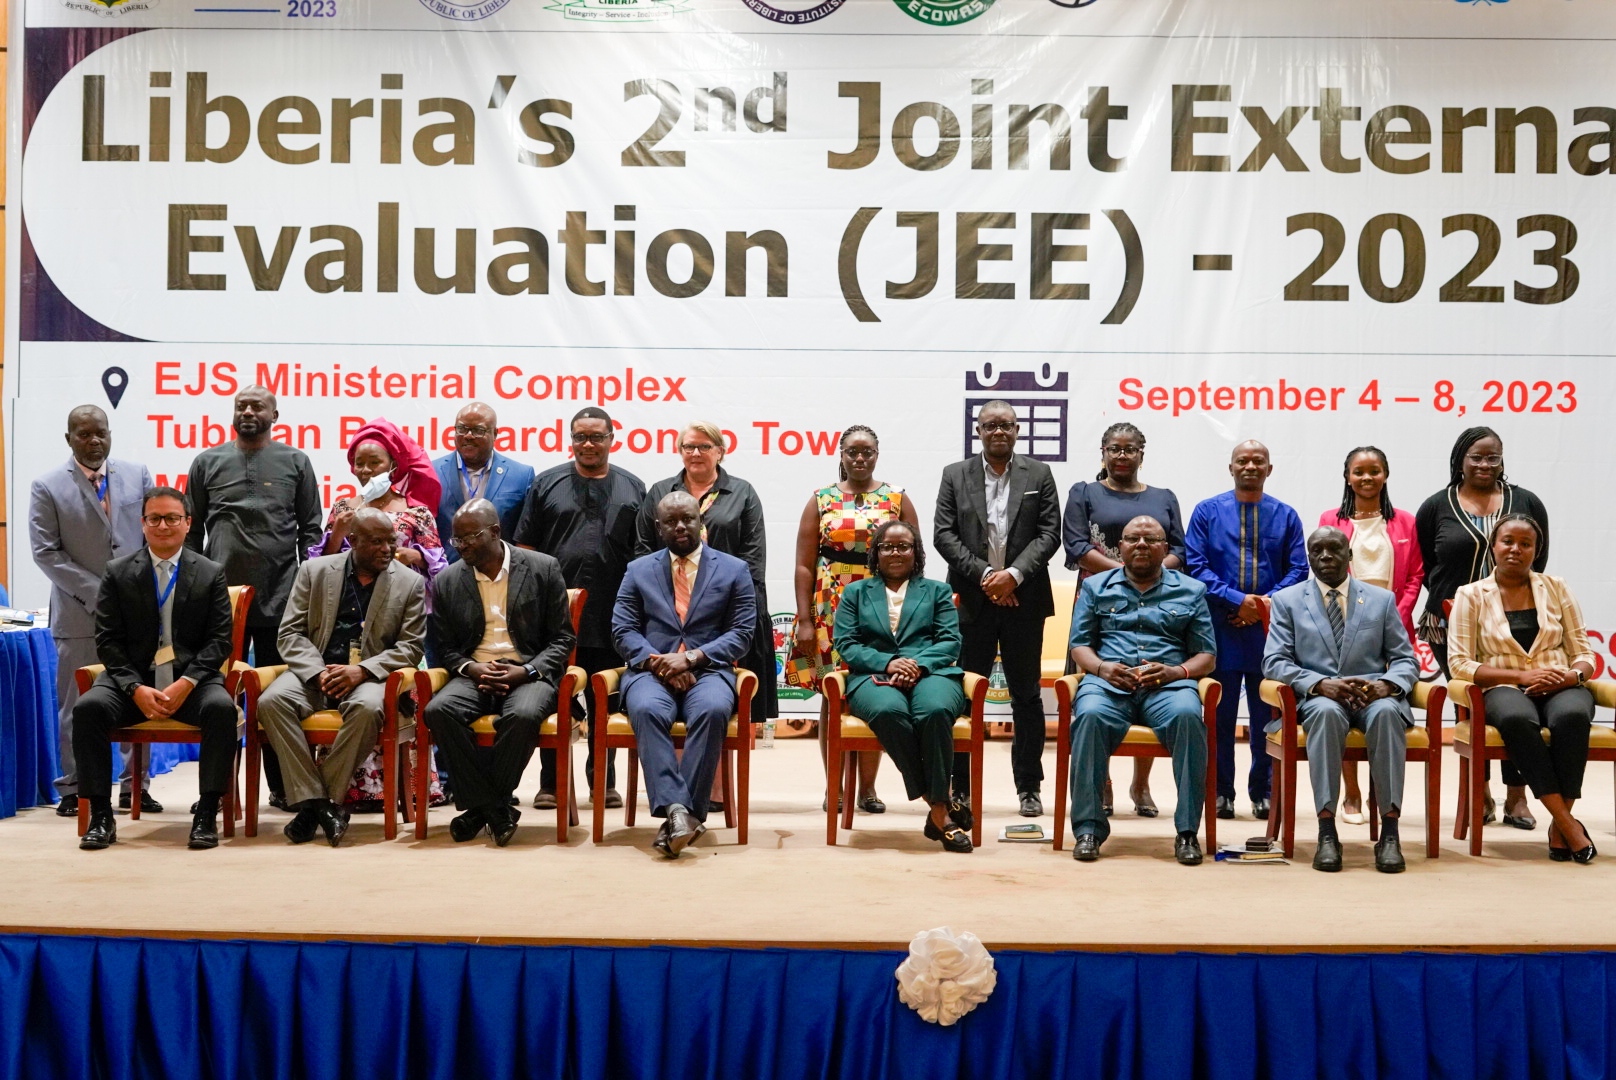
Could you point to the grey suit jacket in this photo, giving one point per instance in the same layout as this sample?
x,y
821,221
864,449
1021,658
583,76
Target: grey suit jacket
x,y
73,539
1301,649
395,623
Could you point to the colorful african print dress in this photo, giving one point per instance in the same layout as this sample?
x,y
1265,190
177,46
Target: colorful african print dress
x,y
846,523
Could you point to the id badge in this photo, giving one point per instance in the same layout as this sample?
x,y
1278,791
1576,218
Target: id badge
x,y
353,654
165,655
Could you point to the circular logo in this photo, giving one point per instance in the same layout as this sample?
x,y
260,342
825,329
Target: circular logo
x,y
803,11
462,11
943,12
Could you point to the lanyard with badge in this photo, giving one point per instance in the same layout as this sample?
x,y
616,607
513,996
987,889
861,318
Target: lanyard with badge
x,y
165,648
354,655
465,480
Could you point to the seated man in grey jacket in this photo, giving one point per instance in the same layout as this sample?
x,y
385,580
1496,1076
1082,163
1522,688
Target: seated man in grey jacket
x,y
352,620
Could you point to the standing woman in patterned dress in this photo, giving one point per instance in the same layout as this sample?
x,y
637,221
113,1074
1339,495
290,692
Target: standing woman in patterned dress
x,y
833,544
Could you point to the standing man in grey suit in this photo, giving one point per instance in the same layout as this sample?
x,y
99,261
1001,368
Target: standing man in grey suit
x,y
998,524
352,620
1340,644
81,516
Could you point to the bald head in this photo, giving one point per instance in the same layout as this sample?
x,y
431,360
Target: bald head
x,y
476,428
255,415
373,540
479,513
88,436
1143,548
1250,466
475,534
678,522
1329,555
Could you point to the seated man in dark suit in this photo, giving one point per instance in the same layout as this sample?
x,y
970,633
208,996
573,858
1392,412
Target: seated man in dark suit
x,y
500,624
162,631
684,616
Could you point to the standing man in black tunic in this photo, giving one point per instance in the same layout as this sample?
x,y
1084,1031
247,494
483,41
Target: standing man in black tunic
x,y
583,514
256,509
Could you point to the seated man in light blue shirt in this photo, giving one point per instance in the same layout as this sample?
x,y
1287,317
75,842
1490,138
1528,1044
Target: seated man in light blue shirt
x,y
1142,636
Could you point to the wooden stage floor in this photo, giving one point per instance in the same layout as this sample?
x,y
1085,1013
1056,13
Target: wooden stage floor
x,y
883,884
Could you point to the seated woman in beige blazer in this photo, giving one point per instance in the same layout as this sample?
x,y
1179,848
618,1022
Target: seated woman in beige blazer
x,y
1519,634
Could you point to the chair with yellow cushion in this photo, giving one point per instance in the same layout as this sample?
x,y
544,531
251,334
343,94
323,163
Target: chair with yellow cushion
x,y
394,739
1288,745
735,768
1139,742
848,735
1058,633
172,731
1470,712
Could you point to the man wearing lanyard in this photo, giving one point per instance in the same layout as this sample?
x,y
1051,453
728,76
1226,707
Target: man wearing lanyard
x,y
476,471
352,620
162,630
81,516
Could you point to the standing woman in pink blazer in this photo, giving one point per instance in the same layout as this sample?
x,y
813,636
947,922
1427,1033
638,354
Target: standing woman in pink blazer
x,y
1385,552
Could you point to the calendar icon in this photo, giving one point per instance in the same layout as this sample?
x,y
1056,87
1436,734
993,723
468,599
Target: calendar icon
x,y
1033,394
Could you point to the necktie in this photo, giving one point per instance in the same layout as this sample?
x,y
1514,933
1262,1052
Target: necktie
x,y
1338,620
102,487
165,672
681,587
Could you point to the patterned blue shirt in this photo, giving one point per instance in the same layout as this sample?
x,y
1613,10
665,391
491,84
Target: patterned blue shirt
x,y
1166,624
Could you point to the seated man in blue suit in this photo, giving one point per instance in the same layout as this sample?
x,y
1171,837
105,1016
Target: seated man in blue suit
x,y
476,471
1340,644
683,616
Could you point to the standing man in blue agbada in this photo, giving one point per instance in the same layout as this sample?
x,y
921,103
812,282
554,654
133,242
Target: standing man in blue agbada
x,y
475,470
1243,545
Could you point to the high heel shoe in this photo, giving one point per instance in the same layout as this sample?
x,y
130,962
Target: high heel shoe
x,y
1143,804
1584,855
1557,854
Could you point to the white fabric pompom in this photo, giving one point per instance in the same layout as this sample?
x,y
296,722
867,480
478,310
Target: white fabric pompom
x,y
946,975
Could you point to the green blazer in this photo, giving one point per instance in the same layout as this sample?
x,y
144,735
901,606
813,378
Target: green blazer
x,y
928,630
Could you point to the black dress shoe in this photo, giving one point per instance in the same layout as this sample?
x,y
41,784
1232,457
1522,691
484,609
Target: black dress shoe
x,y
466,826
301,829
544,800
1521,821
102,833
663,845
956,839
204,832
959,809
1259,809
1389,855
1031,804
333,822
872,804
1086,848
614,799
502,826
148,805
1225,808
1327,856
1584,855
68,806
277,799
681,829
1187,849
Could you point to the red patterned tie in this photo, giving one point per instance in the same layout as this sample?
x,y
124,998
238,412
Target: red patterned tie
x,y
681,587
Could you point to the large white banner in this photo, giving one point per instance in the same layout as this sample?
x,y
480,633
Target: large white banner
x,y
1320,225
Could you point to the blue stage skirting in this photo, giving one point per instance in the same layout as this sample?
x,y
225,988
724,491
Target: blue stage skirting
x,y
80,1007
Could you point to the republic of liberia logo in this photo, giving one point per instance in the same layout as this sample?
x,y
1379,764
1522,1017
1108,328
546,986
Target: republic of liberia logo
x,y
462,10
109,8
943,12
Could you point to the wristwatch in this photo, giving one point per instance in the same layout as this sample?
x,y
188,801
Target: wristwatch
x,y
1582,676
691,657
532,672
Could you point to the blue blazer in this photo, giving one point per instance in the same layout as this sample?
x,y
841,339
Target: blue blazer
x,y
720,621
928,629
507,487
1301,649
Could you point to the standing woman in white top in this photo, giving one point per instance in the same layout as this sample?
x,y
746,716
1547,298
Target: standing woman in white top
x,y
1385,552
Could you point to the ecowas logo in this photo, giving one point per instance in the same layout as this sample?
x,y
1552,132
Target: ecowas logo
x,y
619,10
109,8
464,12
943,12
794,13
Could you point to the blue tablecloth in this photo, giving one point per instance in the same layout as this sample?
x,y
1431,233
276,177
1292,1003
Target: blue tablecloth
x,y
28,757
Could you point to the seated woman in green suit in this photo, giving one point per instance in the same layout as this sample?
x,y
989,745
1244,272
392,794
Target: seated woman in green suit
x,y
899,636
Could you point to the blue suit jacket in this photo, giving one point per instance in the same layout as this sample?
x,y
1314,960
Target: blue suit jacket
x,y
720,621
1301,649
507,487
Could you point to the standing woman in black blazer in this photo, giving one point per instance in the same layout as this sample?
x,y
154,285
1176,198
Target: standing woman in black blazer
x,y
732,522
1453,527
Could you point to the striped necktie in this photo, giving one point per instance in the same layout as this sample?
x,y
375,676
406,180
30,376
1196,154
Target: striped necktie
x,y
1338,619
681,587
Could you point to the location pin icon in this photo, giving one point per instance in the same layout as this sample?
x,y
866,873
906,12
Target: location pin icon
x,y
115,380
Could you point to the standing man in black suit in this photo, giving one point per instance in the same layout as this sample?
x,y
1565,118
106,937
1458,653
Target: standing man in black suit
x,y
998,524
501,626
162,631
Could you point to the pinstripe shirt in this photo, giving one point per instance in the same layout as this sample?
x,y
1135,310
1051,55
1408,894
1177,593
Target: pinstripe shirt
x,y
1479,633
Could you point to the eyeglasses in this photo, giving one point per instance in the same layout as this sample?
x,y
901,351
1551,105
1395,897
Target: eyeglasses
x,y
1124,451
461,543
171,520
1152,541
859,454
1484,459
581,439
472,432
895,549
697,448
997,425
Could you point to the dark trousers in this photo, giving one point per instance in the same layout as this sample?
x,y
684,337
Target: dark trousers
x,y
1228,713
916,729
485,776
705,709
1512,773
260,641
1018,640
208,708
591,659
1555,769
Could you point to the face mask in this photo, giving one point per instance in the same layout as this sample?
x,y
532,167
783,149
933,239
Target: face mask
x,y
376,487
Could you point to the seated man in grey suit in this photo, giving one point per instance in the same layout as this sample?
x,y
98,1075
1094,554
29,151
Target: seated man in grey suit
x,y
684,615
352,620
1340,644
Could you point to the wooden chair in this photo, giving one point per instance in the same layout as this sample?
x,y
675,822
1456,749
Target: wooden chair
x,y
849,734
321,727
1140,742
557,733
617,733
1057,633
1288,745
172,731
